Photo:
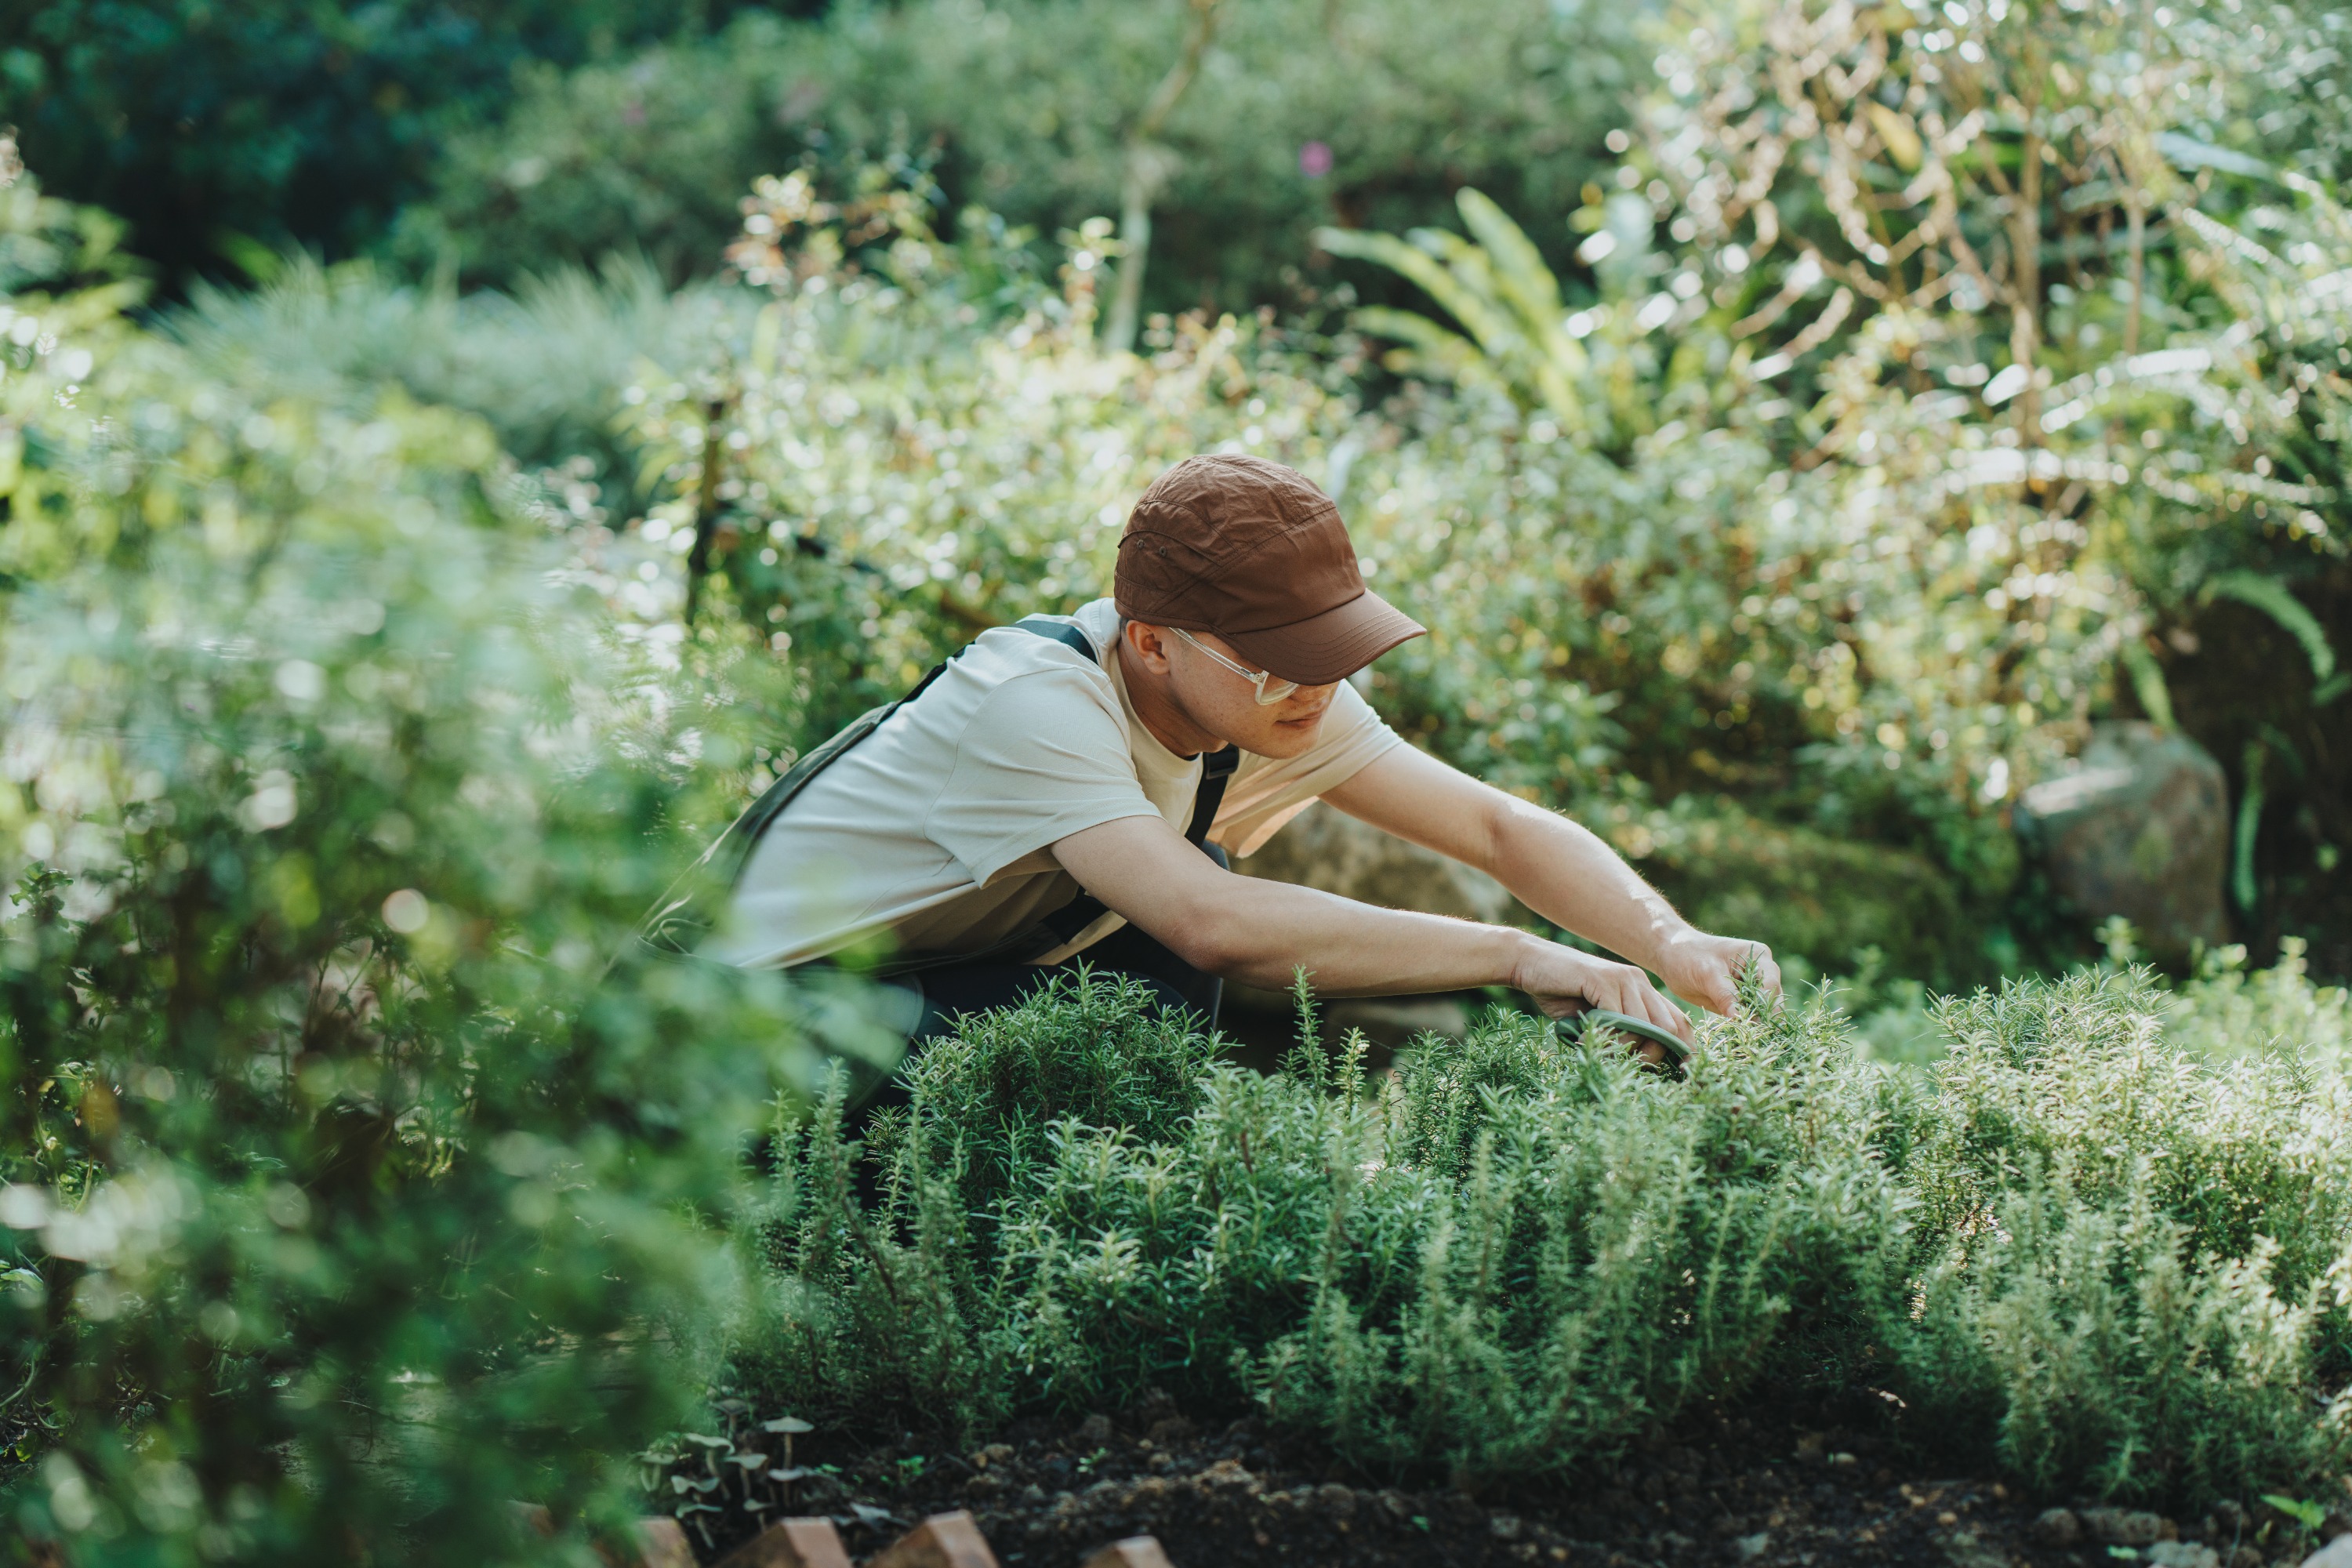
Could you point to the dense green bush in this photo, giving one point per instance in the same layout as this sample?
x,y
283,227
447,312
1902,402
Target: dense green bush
x,y
348,1190
1025,106
218,129
2226,1011
2038,288
645,155
544,366
2114,1266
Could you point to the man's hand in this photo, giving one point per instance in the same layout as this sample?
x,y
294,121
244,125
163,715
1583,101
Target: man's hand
x,y
1707,968
1562,980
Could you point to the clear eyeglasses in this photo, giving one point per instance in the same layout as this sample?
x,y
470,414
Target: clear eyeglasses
x,y
1269,690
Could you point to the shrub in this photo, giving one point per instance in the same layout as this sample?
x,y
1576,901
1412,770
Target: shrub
x,y
544,366
1024,108
2076,1076
350,1191
2116,1267
2137,1259
290,120
2226,1011
645,156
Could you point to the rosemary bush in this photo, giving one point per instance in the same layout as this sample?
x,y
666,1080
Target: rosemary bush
x,y
2104,1261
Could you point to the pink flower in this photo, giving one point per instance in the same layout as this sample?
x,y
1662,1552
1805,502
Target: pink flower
x,y
1315,160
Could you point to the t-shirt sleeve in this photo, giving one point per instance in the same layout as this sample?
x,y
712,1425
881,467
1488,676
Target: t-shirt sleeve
x,y
1266,792
1044,755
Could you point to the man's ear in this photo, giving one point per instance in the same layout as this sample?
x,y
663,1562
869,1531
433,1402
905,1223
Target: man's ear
x,y
1149,644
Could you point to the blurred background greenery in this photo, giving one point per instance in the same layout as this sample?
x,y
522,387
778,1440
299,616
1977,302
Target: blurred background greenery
x,y
1688,356
454,454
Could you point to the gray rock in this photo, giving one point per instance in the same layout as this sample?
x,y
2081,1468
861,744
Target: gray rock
x,y
2183,1554
2336,1553
2057,1527
2122,1527
1963,1550
2140,830
1326,849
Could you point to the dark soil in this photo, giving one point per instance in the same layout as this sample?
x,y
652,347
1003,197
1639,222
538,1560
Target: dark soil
x,y
1759,1485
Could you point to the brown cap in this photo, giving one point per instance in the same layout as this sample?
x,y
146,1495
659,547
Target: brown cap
x,y
1253,551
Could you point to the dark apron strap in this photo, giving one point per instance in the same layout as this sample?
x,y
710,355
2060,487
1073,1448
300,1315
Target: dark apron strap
x,y
686,915
1062,926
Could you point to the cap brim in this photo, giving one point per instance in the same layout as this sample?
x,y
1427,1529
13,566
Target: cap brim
x,y
1330,647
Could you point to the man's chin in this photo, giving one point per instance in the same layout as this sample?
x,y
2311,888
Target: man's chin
x,y
1282,741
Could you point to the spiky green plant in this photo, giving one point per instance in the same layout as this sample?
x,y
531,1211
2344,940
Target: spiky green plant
x,y
2102,1261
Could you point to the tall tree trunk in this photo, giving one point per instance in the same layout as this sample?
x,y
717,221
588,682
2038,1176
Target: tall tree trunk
x,y
1148,167
2025,283
2137,217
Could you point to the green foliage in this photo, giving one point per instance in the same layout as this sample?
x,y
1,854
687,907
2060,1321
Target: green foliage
x,y
2119,1266
352,1189
2011,536
1521,340
1815,896
544,366
645,156
1024,108
2227,1011
2146,1257
913,444
210,128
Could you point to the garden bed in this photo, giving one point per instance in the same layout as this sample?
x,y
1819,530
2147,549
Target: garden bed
x,y
1777,1482
1521,1302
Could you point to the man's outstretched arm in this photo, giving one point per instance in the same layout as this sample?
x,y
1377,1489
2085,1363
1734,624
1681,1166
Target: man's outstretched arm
x,y
1260,932
1554,867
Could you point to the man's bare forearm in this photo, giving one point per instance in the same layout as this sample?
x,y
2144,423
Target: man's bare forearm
x,y
1262,932
1267,931
1553,865
1564,872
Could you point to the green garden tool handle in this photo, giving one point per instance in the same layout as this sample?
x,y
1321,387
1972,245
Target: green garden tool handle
x,y
1580,1027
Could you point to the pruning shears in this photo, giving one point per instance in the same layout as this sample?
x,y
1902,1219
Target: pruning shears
x,y
1674,1056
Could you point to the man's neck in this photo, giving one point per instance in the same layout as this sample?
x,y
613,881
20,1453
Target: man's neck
x,y
1157,707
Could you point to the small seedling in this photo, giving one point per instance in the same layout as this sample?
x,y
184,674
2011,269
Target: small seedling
x,y
2310,1515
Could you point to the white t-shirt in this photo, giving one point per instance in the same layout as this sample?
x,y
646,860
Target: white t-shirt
x,y
935,828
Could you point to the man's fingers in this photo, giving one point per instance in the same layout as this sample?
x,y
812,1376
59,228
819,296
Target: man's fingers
x,y
1722,994
1654,1008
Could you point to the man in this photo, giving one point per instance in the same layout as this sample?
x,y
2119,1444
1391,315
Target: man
x,y
1051,791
